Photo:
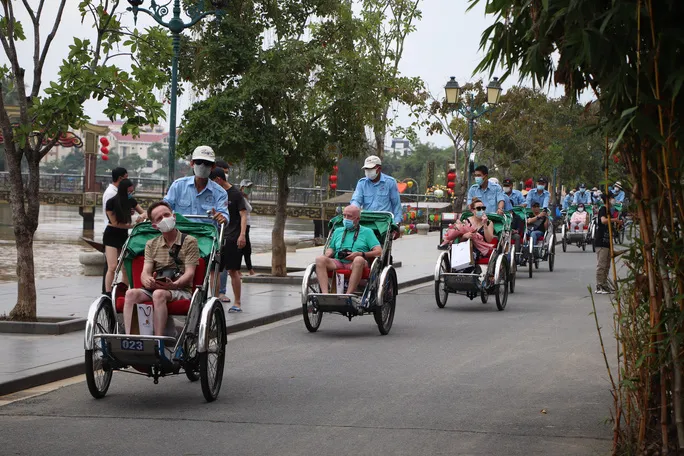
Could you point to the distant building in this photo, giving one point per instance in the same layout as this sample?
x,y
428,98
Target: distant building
x,y
399,148
124,145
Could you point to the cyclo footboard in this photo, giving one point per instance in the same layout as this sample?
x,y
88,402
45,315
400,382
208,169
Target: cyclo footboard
x,y
461,281
341,303
135,349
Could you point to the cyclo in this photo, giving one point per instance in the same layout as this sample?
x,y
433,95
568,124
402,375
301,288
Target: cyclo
x,y
519,235
379,296
580,238
195,340
493,274
619,230
544,250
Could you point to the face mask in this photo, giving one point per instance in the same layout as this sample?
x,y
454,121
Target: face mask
x,y
540,187
371,174
166,224
479,213
580,209
507,189
582,190
479,180
130,196
247,191
348,224
202,171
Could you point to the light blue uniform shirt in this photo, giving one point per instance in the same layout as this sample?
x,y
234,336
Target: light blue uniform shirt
x,y
490,196
382,195
507,203
184,199
567,201
582,198
534,197
620,197
517,198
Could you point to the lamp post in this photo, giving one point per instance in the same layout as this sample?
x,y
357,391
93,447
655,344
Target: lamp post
x,y
176,26
472,112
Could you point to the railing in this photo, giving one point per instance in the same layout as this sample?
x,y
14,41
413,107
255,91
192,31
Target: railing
x,y
143,185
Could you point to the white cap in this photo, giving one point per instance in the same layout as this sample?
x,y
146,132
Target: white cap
x,y
371,162
618,184
494,180
204,153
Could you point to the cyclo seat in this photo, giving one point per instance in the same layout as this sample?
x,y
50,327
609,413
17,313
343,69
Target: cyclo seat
x,y
178,307
347,273
493,245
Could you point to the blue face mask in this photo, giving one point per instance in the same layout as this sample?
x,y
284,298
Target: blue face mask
x,y
348,224
540,187
130,196
479,180
479,213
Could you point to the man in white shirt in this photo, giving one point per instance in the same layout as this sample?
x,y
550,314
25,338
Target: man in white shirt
x,y
118,174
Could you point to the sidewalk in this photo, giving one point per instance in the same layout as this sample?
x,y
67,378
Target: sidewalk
x,y
31,360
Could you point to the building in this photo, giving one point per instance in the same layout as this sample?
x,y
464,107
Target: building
x,y
399,148
125,145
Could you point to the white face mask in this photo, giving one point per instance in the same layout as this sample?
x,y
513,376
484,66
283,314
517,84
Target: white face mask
x,y
166,224
371,173
202,171
507,189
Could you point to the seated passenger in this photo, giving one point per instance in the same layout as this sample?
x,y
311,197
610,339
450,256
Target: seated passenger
x,y
352,246
171,253
477,227
579,220
537,224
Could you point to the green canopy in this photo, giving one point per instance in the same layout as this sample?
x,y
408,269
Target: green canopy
x,y
379,222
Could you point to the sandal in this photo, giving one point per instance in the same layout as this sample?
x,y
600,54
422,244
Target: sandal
x,y
234,309
224,298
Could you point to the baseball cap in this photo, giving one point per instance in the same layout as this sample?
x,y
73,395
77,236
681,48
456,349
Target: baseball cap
x,y
371,162
542,179
508,181
246,183
204,153
494,180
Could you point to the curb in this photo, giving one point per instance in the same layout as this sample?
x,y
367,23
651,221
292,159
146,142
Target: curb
x,y
78,368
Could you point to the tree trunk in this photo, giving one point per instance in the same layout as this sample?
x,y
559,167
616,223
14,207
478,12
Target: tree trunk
x,y
279,256
25,225
379,131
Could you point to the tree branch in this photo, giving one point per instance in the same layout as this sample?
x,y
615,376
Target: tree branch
x,y
38,69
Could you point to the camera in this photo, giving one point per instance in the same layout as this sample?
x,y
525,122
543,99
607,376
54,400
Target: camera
x,y
342,254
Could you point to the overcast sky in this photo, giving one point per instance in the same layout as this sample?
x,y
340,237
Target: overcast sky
x,y
446,43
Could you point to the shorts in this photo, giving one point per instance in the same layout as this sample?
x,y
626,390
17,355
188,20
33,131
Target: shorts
x,y
340,265
114,237
175,294
231,256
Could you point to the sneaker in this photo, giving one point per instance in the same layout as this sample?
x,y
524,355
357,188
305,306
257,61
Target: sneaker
x,y
600,290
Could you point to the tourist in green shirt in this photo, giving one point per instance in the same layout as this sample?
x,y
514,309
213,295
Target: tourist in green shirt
x,y
352,246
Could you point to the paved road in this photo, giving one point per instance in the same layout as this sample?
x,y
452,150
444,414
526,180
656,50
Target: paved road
x,y
464,380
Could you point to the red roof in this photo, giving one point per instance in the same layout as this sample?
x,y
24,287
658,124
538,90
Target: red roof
x,y
143,138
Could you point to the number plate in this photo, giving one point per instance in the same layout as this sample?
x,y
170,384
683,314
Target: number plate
x,y
132,345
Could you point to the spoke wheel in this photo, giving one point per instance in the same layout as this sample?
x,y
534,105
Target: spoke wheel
x,y
312,316
530,264
213,360
98,374
384,314
513,272
441,293
191,358
552,255
502,285
565,244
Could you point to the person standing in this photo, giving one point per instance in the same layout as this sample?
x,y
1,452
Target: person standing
x,y
118,209
377,191
246,189
118,174
602,244
490,193
234,236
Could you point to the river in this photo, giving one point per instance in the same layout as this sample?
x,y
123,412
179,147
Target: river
x,y
58,244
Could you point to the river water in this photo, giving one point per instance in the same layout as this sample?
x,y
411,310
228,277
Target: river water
x,y
58,244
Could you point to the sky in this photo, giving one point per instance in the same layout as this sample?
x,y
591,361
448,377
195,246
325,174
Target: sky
x,y
446,43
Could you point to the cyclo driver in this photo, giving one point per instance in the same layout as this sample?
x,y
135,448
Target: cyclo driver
x,y
351,247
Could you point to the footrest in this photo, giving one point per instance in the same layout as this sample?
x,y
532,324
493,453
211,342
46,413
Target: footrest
x,y
134,349
328,302
456,281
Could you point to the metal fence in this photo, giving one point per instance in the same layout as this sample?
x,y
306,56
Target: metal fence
x,y
143,185
49,182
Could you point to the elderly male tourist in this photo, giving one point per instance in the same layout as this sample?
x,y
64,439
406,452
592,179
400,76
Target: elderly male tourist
x,y
352,246
377,191
160,257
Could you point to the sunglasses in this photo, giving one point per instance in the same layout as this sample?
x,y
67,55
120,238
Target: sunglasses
x,y
480,208
203,162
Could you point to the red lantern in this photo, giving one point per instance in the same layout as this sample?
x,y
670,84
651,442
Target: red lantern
x,y
451,184
104,141
333,178
333,186
105,157
335,169
616,159
451,176
104,150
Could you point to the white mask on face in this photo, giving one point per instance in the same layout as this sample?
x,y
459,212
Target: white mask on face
x,y
371,173
507,189
202,171
166,224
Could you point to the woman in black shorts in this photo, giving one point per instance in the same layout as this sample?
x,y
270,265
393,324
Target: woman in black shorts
x,y
119,209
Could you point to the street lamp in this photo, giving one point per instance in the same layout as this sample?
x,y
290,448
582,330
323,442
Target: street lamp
x,y
470,111
176,26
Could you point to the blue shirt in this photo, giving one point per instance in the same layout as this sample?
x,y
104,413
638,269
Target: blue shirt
x,y
516,198
507,203
184,199
620,197
382,195
567,201
534,197
490,196
582,198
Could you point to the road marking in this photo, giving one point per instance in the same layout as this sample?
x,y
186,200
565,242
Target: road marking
x,y
39,390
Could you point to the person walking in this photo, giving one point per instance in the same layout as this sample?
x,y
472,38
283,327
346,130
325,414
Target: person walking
x,y
377,191
246,189
602,244
234,236
119,209
118,174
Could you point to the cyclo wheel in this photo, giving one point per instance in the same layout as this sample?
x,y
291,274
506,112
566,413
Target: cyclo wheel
x,y
98,376
213,360
441,293
192,360
565,243
530,264
312,316
387,302
501,286
552,254
512,272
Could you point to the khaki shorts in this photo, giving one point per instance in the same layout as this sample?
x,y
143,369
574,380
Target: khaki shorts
x,y
176,295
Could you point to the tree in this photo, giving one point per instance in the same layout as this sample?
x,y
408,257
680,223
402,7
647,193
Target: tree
x,y
628,54
133,164
46,112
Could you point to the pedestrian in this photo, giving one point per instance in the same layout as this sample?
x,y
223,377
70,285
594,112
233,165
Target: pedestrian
x,y
118,174
490,193
119,209
539,195
602,244
246,190
378,191
234,236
